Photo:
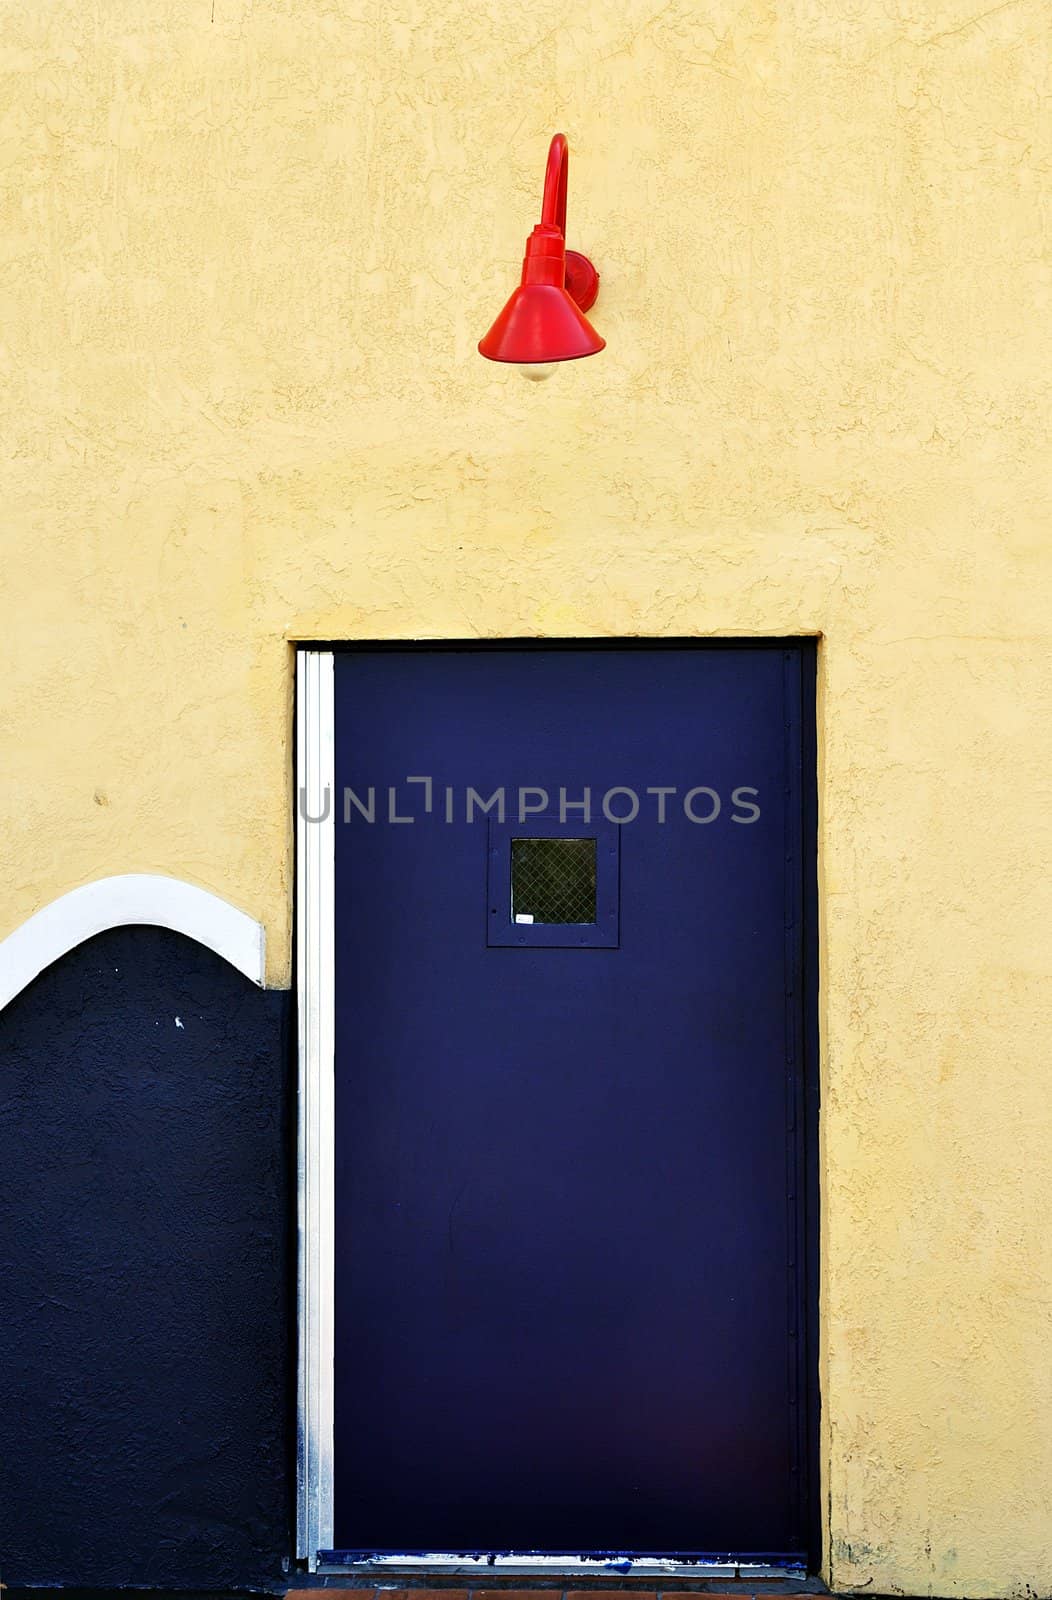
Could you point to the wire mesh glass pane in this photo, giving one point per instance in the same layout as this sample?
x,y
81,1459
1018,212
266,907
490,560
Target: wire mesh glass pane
x,y
553,880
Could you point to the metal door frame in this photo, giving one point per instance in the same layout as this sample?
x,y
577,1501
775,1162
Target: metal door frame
x,y
315,808
315,1155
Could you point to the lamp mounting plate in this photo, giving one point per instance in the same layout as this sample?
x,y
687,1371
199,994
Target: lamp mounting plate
x,y
582,280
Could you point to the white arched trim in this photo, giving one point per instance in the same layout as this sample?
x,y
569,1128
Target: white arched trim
x,y
132,897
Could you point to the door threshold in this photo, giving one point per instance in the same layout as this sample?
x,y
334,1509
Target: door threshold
x,y
525,1565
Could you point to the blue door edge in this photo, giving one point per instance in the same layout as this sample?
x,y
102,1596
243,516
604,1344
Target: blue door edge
x,y
811,1087
801,656
802,1052
802,642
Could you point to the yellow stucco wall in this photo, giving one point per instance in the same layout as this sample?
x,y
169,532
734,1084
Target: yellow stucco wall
x,y
248,248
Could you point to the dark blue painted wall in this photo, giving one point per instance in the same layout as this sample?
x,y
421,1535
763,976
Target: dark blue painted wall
x,y
145,1253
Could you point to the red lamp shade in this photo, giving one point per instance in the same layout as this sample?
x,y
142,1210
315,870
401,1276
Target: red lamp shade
x,y
544,320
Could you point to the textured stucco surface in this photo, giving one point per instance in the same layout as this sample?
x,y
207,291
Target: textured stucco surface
x,y
248,249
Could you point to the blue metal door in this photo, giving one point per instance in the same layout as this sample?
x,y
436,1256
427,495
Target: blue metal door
x,y
569,1199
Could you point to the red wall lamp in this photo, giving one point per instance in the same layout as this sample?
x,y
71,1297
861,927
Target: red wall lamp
x,y
544,320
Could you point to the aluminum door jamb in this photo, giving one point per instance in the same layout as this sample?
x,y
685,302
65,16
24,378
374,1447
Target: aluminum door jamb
x,y
315,944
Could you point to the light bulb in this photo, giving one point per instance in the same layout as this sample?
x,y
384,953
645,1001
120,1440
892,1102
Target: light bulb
x,y
536,372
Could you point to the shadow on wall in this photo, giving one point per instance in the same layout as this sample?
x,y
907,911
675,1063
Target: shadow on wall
x,y
144,1259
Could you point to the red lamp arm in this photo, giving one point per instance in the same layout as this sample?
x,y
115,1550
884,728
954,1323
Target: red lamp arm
x,y
553,207
582,280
